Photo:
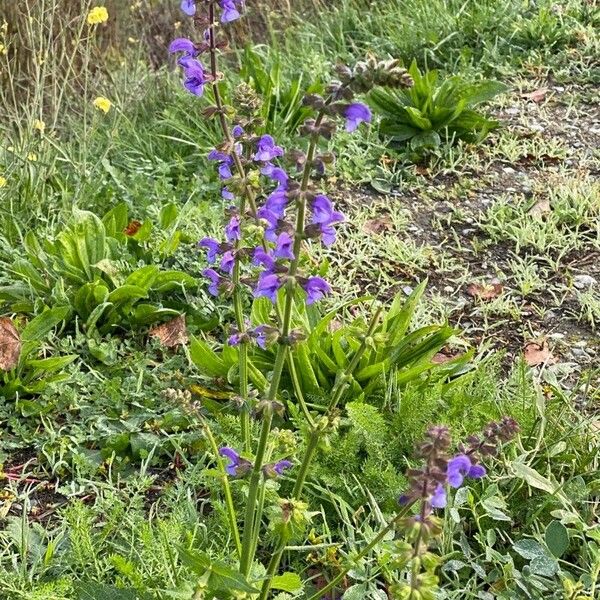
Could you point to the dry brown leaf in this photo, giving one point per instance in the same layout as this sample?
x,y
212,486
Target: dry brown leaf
x,y
536,96
485,291
379,225
537,354
172,333
132,228
440,358
540,208
10,345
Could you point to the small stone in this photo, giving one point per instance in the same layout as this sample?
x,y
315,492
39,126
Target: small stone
x,y
583,281
407,290
512,111
509,170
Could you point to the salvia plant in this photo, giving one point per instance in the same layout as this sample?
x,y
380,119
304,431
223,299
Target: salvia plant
x,y
276,211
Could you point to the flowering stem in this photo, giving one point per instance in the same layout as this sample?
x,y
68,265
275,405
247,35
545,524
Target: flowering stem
x,y
376,540
313,442
226,489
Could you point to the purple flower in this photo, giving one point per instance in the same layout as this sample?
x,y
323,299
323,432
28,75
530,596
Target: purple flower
x,y
237,465
272,220
215,280
276,202
226,194
284,246
266,149
235,339
276,174
194,77
225,161
268,284
261,257
228,262
230,12
260,336
187,47
355,114
213,247
438,499
279,467
233,230
188,7
237,131
460,467
325,217
316,288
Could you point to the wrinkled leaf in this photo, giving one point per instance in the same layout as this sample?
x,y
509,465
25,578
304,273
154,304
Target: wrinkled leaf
x,y
10,345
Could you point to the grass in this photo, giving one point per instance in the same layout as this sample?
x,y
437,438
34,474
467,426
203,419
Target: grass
x,y
105,476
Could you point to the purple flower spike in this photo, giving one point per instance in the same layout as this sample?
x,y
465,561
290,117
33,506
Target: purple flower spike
x,y
212,246
266,149
233,230
438,500
187,47
268,284
356,114
228,262
215,280
188,7
194,77
237,131
281,466
284,246
316,288
460,467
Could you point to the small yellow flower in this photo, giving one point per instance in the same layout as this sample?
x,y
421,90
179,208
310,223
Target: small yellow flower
x,y
3,181
103,104
32,156
97,15
3,50
39,125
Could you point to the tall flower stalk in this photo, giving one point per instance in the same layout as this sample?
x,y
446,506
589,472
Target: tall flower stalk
x,y
276,210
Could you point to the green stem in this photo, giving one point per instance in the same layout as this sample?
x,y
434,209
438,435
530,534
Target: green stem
x,y
226,488
249,519
311,447
376,540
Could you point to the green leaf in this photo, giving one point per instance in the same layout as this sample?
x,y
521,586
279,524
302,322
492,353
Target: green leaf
x,y
41,325
169,281
288,582
143,278
533,478
168,215
99,591
206,360
557,538
54,363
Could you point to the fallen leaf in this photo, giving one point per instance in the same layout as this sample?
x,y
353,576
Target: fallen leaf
x,y
536,96
10,345
421,170
537,354
540,208
172,333
379,225
201,390
485,291
132,228
440,358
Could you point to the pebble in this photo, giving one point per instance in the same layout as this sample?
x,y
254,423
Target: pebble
x,y
509,170
583,281
407,290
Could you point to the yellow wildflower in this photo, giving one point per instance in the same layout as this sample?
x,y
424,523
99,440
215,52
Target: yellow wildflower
x,y
3,181
32,156
39,125
97,15
3,49
103,104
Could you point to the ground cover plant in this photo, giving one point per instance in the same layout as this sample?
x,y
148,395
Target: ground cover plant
x,y
249,348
